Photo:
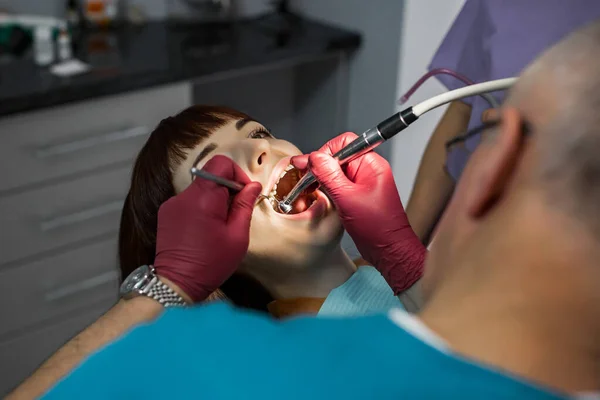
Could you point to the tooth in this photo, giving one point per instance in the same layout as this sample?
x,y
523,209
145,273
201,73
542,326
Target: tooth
x,y
289,167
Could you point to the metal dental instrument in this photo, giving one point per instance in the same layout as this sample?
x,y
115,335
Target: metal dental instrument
x,y
235,186
389,128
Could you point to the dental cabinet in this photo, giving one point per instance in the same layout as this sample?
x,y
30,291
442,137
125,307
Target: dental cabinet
x,y
67,146
66,175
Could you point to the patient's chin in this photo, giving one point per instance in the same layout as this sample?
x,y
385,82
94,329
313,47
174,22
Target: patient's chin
x,y
277,243
280,255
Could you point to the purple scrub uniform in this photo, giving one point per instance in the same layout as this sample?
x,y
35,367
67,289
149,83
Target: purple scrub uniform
x,y
494,39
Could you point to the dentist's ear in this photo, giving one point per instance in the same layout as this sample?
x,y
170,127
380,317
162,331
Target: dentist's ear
x,y
498,164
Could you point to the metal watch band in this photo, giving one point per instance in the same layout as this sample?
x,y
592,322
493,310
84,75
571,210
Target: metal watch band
x,y
166,296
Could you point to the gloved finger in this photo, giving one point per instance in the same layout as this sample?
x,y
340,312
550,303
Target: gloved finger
x,y
210,197
328,172
331,147
338,143
242,207
367,167
300,162
225,168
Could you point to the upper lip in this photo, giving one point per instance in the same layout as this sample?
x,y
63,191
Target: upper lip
x,y
276,173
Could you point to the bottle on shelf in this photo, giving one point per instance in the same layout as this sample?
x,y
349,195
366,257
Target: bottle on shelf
x,y
65,51
44,46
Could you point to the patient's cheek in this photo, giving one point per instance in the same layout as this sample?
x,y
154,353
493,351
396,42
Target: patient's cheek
x,y
180,183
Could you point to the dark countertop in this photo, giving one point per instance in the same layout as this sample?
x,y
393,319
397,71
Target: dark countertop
x,y
133,58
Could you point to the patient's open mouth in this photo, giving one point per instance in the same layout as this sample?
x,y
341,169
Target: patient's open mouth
x,y
287,180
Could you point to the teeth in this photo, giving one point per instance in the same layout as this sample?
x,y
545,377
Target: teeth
x,y
273,192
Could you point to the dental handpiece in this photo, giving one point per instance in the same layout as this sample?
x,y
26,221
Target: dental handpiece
x,y
366,142
391,127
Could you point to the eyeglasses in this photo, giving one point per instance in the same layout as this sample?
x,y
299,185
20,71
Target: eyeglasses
x,y
458,144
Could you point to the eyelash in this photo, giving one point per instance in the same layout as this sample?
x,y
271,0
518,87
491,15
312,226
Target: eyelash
x,y
260,133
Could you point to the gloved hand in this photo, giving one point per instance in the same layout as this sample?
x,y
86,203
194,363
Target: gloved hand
x,y
203,234
365,194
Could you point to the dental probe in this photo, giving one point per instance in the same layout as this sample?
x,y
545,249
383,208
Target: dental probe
x,y
235,186
389,128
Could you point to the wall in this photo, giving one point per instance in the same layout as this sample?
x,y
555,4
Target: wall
x,y
374,68
424,25
36,7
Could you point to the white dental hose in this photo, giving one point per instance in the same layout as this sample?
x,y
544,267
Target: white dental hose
x,y
457,94
446,71
392,126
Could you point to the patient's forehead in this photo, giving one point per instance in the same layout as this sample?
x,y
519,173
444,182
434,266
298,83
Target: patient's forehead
x,y
182,177
226,136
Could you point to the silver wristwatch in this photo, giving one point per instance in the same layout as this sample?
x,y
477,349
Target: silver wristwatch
x,y
144,282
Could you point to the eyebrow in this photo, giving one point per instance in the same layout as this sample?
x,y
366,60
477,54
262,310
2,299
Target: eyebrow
x,y
206,151
213,146
242,122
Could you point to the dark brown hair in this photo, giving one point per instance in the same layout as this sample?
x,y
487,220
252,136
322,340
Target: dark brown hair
x,y
152,185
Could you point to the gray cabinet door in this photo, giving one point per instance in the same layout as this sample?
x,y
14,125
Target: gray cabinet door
x,y
48,218
50,144
57,286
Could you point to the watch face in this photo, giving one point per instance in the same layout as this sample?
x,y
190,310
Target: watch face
x,y
136,280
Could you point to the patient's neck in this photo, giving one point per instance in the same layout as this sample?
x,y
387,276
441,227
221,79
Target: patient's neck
x,y
316,280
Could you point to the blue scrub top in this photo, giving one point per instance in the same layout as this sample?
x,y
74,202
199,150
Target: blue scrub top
x,y
218,352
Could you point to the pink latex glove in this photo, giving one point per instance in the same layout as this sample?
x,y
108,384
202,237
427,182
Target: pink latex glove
x,y
365,194
203,232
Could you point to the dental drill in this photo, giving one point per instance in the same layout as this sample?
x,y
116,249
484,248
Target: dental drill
x,y
390,127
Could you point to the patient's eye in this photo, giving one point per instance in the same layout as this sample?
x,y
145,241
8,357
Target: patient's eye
x,y
260,133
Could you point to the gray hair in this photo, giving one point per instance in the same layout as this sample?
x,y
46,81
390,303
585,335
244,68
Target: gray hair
x,y
560,93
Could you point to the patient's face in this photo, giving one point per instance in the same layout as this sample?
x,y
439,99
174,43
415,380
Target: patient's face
x,y
275,239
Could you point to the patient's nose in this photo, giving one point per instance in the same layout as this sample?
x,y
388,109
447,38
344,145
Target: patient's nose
x,y
258,155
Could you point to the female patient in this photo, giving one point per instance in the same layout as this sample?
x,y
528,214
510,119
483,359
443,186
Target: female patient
x,y
294,263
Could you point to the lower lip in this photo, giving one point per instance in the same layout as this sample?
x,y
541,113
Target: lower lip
x,y
316,210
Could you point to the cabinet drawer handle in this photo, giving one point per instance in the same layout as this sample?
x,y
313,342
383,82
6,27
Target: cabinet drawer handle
x,y
92,141
81,216
82,286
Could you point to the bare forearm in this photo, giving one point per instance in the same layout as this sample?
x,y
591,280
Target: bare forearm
x,y
433,186
117,321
